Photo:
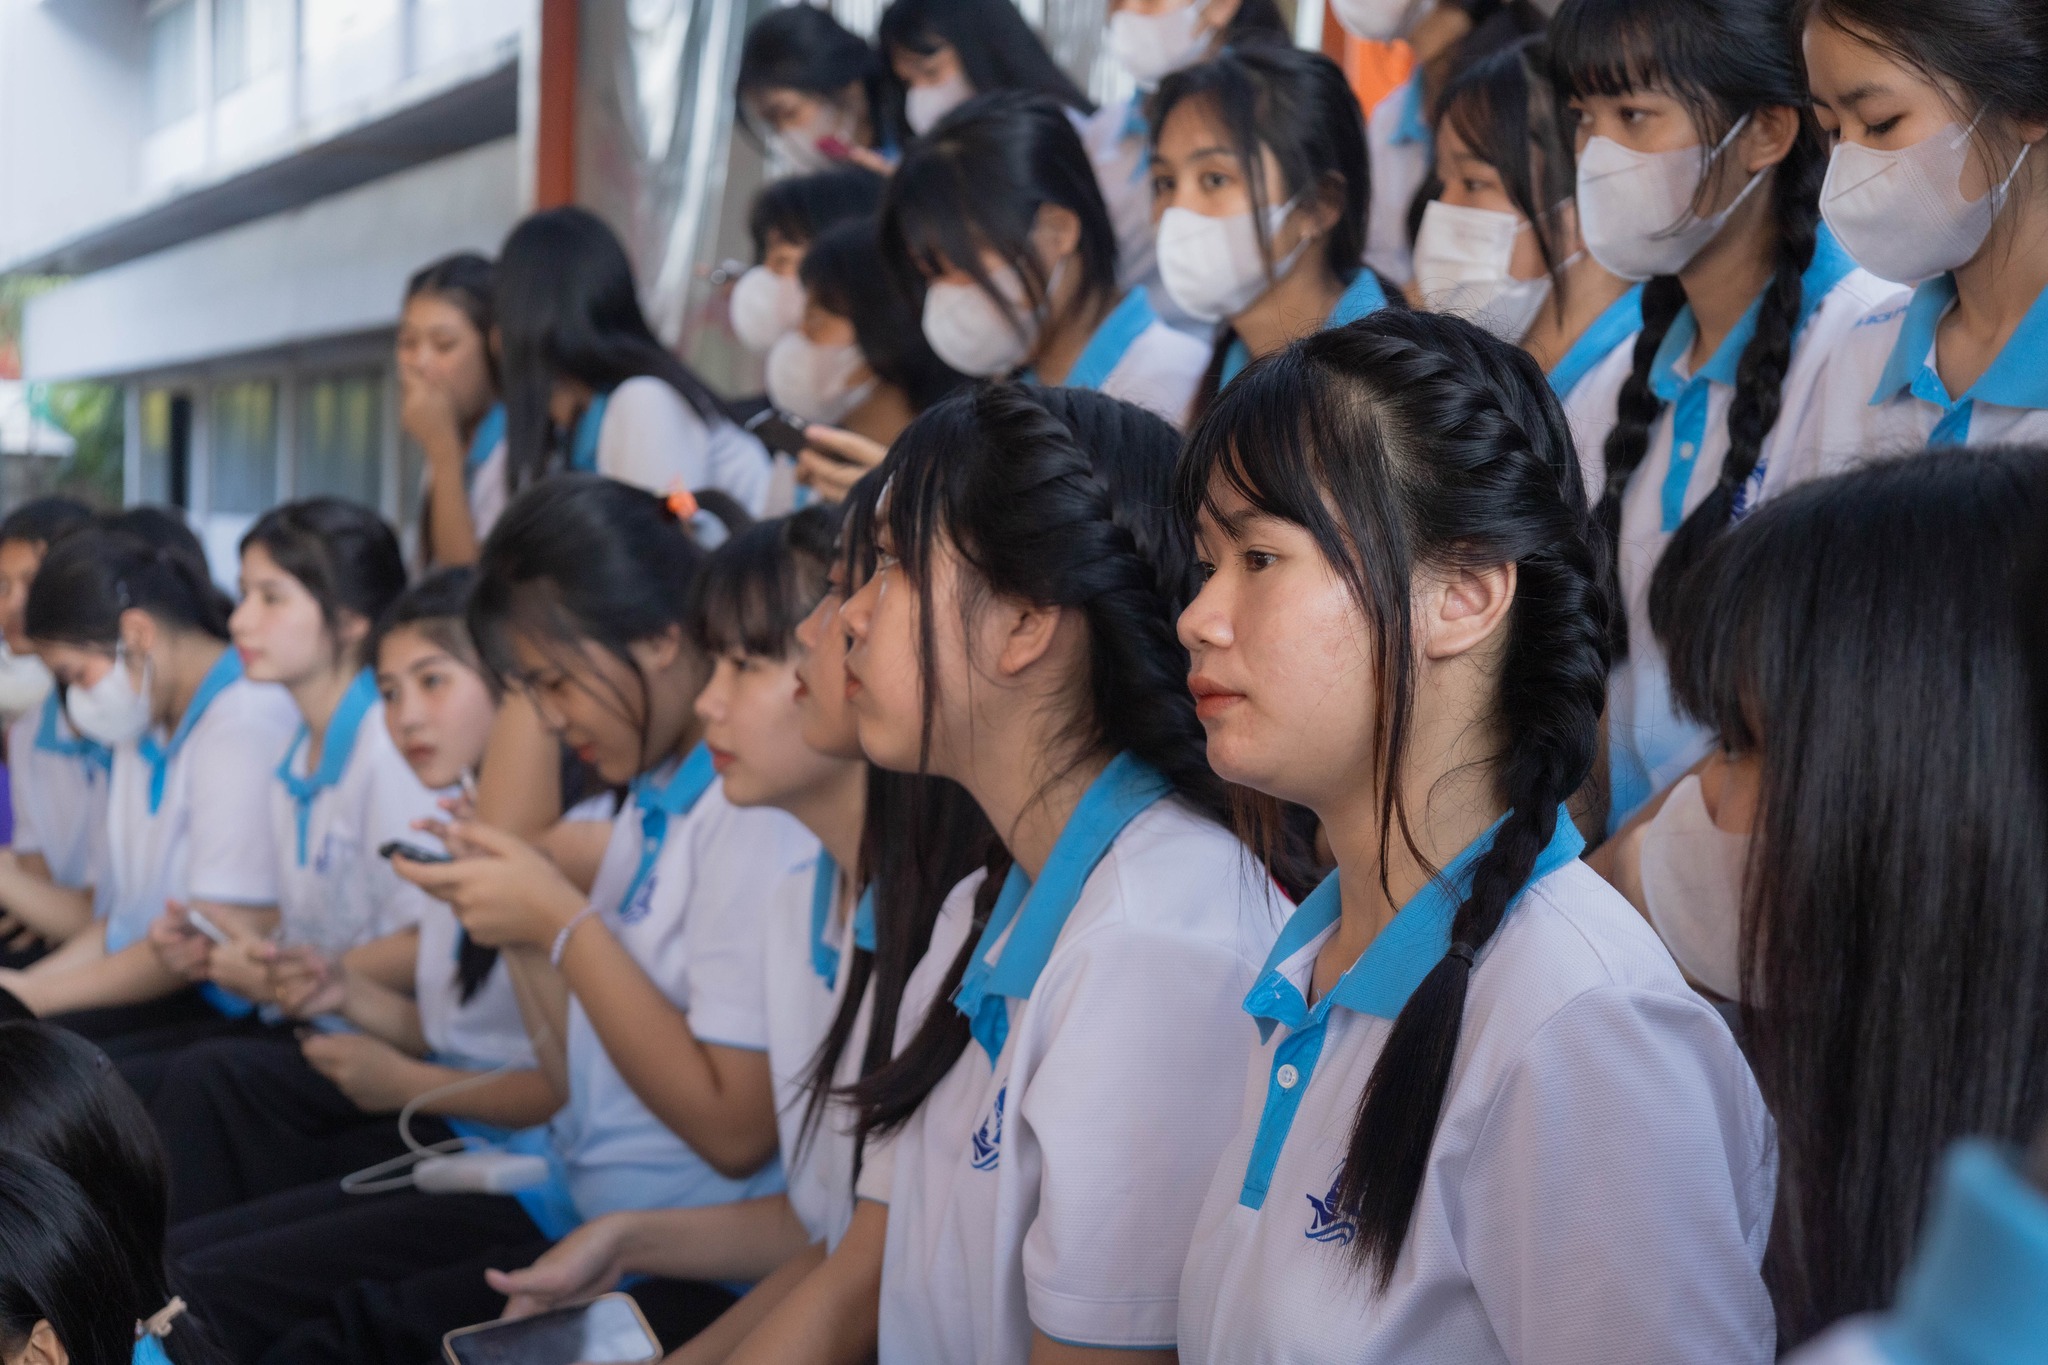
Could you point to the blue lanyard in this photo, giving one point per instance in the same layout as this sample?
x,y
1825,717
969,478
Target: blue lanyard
x,y
334,753
50,739
657,802
583,443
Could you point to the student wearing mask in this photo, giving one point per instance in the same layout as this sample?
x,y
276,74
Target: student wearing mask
x,y
1500,245
448,404
138,635
1699,171
994,219
1936,113
788,215
1260,182
813,92
942,53
589,388
1485,1119
57,778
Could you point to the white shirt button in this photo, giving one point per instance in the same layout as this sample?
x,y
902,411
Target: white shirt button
x,y
1686,451
1288,1076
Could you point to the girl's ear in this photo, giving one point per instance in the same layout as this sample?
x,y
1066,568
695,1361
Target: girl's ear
x,y
1327,204
1464,609
138,631
1769,138
350,630
43,1347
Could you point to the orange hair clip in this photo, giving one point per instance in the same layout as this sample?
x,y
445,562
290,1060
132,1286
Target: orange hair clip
x,y
682,503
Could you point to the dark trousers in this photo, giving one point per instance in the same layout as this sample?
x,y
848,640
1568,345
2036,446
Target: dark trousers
x,y
317,1277
143,1039
246,1117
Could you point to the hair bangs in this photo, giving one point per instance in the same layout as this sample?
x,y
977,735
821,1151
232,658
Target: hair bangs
x,y
757,588
1615,47
938,216
914,504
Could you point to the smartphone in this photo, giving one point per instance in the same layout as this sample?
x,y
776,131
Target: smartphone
x,y
605,1331
198,920
412,852
779,431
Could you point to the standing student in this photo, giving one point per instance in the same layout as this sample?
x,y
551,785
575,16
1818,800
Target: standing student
x,y
1500,245
1260,181
788,215
1699,171
587,385
814,92
941,53
1486,1119
643,997
995,219
448,403
1936,114
57,779
138,635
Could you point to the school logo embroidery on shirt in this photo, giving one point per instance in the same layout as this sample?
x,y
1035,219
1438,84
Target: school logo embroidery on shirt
x,y
1328,1223
988,1139
636,909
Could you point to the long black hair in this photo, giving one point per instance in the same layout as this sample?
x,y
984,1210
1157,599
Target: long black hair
x,y
91,576
1297,105
1892,911
58,1266
1723,61
1053,496
62,1101
997,49
803,48
798,208
341,552
568,308
839,275
1399,442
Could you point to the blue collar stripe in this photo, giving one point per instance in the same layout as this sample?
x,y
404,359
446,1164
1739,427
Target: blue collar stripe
x,y
2017,378
149,1351
1136,129
590,426
335,753
824,886
489,432
1413,128
864,922
228,670
1623,319
51,739
658,802
1974,1291
1361,298
1123,790
1111,342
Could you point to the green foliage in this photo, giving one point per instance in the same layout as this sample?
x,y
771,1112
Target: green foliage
x,y
91,414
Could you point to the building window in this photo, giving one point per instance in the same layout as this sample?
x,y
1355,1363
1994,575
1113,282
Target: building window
x,y
173,63
251,38
340,450
156,446
244,444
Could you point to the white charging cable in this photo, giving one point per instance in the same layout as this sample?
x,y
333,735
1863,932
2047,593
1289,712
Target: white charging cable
x,y
397,1173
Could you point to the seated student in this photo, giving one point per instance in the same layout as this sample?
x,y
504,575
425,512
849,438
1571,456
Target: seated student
x,y
788,215
448,404
642,996
1037,1188
939,54
1699,172
995,219
63,1103
1486,1119
247,1118
138,635
62,1292
1936,112
57,779
1819,868
587,385
1272,253
813,91
1500,245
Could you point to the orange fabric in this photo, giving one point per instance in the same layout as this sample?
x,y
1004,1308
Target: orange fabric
x,y
1375,69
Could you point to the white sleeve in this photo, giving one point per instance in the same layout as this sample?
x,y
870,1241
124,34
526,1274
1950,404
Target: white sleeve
x,y
653,439
1128,1134
233,856
1619,1195
21,739
727,940
397,798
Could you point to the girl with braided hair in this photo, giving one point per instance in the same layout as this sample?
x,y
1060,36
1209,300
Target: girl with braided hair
x,y
1487,1120
1699,171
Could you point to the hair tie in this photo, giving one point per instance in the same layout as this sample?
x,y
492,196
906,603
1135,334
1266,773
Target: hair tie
x,y
1462,951
681,503
158,1324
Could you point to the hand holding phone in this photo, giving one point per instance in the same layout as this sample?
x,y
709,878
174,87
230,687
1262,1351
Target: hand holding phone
x,y
779,431
412,853
605,1331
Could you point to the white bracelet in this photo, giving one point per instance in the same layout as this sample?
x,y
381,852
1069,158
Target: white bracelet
x,y
561,944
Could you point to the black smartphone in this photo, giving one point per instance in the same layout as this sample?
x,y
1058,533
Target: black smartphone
x,y
779,431
412,852
605,1331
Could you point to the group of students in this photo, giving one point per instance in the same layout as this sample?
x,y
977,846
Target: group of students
x,y
1491,815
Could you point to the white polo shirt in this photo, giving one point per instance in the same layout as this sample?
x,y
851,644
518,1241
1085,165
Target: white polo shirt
x,y
1649,743
58,782
1117,142
477,1034
1400,142
681,885
649,436
334,891
1139,359
1588,380
1051,1180
1601,1183
188,814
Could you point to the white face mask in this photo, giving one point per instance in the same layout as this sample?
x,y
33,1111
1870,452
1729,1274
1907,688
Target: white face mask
x,y
1376,20
1462,257
1692,872
816,382
1902,214
113,710
797,144
1212,267
1154,46
765,305
967,328
24,682
925,105
1636,207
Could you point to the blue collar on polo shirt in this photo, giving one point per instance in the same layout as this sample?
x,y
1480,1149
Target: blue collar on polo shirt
x,y
1973,1293
1111,342
1123,790
489,432
659,799
335,751
1690,394
159,755
1379,983
149,1350
1412,128
52,739
583,441
825,890
1623,317
2018,378
1361,298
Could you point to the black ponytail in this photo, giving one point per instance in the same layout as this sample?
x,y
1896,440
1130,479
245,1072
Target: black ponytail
x,y
93,575
1404,441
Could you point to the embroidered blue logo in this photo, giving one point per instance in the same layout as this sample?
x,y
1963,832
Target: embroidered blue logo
x,y
988,1139
1328,1223
636,909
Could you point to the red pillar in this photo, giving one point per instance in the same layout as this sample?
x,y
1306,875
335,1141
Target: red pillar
x,y
554,180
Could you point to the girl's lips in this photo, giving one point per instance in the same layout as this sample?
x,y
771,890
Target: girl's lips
x,y
1212,700
720,760
586,754
416,754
